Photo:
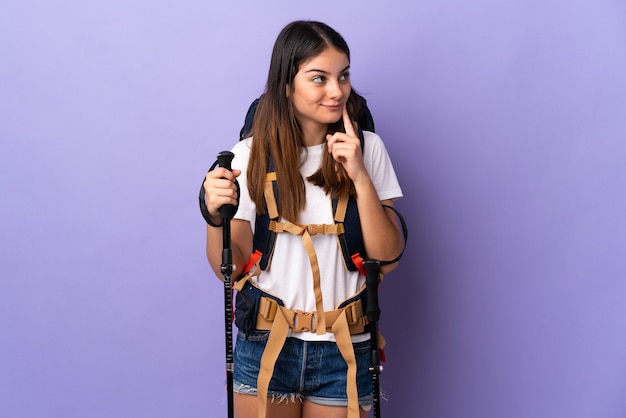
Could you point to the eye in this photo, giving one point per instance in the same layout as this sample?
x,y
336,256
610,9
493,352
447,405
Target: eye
x,y
319,79
344,77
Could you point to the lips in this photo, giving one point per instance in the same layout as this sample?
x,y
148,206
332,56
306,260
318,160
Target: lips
x,y
333,107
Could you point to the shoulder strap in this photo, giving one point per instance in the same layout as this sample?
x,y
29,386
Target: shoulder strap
x,y
264,236
351,241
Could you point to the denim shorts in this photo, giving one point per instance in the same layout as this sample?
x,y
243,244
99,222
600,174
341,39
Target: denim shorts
x,y
307,370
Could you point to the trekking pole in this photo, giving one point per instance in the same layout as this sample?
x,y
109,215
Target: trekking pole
x,y
227,212
372,269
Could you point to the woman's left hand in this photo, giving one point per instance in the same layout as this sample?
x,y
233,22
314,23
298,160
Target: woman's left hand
x,y
346,149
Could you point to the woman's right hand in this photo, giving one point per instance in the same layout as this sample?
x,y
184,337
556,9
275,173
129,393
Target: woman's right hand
x,y
219,189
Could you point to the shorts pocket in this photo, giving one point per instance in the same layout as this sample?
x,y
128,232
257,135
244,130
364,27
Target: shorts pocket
x,y
362,347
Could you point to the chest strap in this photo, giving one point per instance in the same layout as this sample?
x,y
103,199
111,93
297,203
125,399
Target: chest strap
x,y
312,229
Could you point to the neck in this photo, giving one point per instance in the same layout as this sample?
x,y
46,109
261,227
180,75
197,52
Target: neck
x,y
313,134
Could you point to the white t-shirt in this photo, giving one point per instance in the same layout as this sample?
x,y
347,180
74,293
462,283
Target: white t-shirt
x,y
289,275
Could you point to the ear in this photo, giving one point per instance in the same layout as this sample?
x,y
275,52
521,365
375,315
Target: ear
x,y
287,90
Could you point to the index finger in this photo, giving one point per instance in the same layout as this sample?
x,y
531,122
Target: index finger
x,y
223,173
347,123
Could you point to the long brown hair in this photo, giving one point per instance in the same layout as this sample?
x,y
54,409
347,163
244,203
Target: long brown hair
x,y
277,134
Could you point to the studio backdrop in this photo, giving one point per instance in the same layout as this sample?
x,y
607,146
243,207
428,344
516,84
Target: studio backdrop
x,y
506,123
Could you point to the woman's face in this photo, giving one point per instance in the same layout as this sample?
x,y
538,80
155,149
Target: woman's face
x,y
320,89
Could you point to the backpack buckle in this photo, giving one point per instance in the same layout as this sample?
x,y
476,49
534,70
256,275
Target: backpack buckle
x,y
354,312
268,308
303,321
314,229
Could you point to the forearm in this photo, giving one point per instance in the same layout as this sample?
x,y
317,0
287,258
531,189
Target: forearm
x,y
215,248
381,234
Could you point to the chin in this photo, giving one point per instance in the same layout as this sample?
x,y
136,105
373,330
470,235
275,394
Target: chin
x,y
333,117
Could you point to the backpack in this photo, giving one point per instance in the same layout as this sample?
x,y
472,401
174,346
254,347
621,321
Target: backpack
x,y
351,240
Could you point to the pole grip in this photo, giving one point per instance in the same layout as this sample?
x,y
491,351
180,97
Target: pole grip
x,y
372,269
224,159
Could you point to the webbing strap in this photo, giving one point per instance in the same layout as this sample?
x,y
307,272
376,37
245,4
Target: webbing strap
x,y
313,229
270,199
254,259
320,320
274,345
344,343
342,207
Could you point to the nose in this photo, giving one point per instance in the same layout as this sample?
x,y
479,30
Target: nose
x,y
334,90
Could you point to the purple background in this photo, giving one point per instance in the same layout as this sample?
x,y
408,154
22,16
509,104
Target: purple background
x,y
507,125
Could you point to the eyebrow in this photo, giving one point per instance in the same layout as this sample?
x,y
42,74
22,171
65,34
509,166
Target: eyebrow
x,y
315,70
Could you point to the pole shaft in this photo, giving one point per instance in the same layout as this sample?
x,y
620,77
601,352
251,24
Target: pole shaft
x,y
227,270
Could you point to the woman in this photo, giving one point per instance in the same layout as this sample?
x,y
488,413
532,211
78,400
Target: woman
x,y
303,131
